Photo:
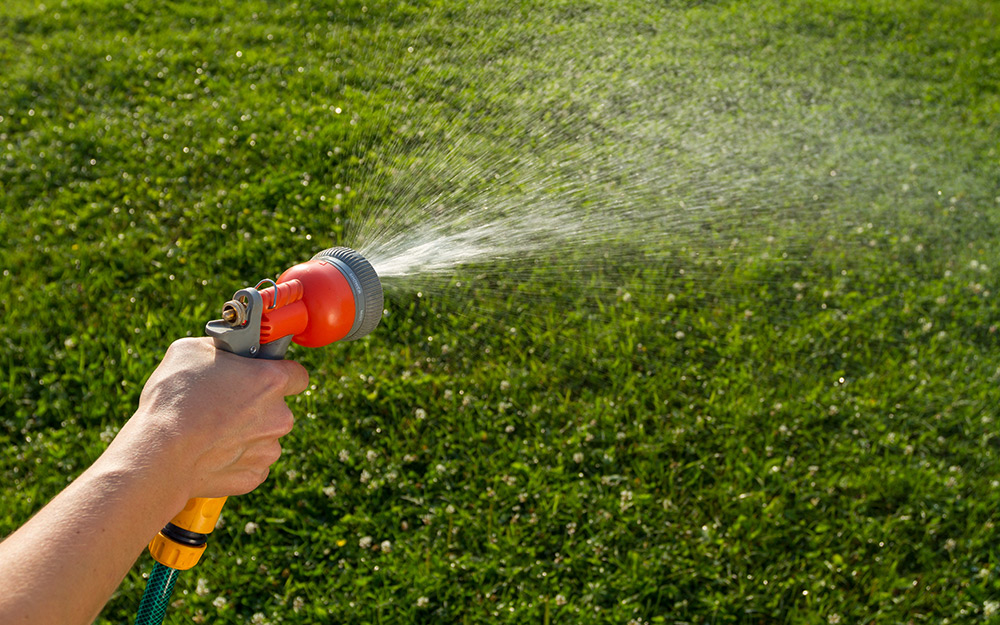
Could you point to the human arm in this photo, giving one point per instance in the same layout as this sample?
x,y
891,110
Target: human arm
x,y
207,425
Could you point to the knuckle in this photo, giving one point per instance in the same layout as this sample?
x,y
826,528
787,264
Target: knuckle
x,y
184,344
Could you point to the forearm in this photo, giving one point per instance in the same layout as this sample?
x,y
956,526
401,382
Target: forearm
x,y
63,565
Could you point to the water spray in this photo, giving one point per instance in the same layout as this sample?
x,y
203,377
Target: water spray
x,y
335,296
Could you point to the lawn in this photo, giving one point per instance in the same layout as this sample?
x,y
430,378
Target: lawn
x,y
776,407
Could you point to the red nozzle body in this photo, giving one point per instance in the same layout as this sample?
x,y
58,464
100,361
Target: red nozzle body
x,y
323,314
335,296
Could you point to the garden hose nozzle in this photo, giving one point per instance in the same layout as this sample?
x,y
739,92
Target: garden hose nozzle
x,y
335,296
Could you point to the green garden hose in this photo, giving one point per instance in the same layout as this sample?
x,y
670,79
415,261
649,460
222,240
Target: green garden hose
x,y
156,597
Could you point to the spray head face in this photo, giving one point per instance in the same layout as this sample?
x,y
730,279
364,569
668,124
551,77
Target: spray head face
x,y
326,300
335,296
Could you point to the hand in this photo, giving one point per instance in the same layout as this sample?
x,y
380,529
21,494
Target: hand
x,y
211,420
208,425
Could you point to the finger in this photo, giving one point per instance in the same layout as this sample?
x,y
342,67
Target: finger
x,y
297,378
283,422
238,483
260,455
273,421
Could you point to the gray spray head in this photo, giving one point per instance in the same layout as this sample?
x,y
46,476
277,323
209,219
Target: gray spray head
x,y
365,285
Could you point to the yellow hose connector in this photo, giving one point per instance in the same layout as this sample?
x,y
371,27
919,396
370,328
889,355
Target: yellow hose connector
x,y
173,554
179,552
200,514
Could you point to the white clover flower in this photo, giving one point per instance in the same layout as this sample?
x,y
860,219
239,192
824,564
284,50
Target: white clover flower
x,y
386,546
420,413
578,457
560,600
504,385
344,455
423,602
251,527
371,455
365,542
258,619
202,589
297,604
626,500
330,491
219,602
990,608
108,434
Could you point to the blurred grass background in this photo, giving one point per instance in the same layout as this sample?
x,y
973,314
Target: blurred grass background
x,y
752,441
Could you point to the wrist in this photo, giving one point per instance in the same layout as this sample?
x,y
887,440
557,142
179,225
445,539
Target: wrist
x,y
145,465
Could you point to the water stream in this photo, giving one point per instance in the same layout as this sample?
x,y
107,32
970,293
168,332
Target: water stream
x,y
558,160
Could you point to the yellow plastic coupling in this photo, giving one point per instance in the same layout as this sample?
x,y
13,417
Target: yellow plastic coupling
x,y
173,554
180,544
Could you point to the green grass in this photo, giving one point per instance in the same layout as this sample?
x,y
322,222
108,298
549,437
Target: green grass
x,y
761,440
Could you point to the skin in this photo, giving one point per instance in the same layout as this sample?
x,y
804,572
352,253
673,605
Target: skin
x,y
208,425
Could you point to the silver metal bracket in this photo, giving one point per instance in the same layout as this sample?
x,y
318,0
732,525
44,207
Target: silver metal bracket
x,y
242,339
